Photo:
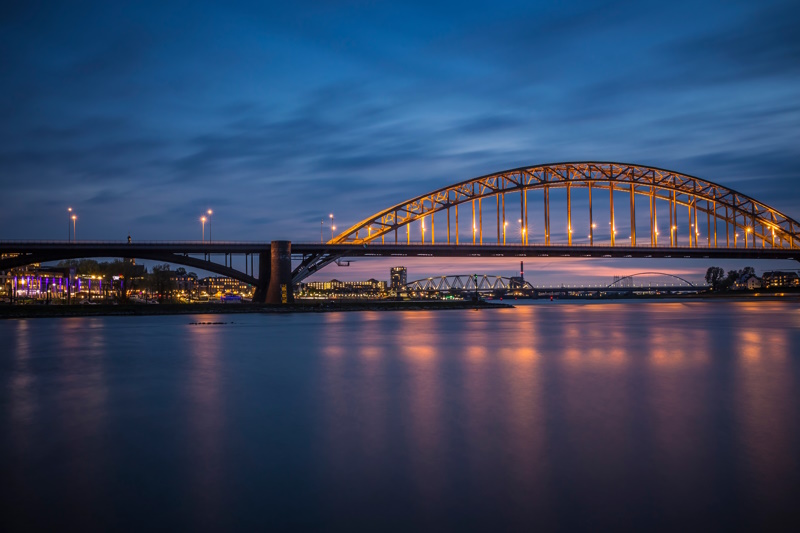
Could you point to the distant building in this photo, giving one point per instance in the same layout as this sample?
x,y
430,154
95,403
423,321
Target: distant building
x,y
37,282
184,283
749,282
218,284
779,278
370,287
398,277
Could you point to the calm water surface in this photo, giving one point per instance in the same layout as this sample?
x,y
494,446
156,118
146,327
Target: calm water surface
x,y
562,416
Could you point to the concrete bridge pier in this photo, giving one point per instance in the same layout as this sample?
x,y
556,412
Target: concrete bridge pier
x,y
279,290
275,275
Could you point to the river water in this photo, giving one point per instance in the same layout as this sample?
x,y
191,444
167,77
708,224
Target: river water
x,y
569,416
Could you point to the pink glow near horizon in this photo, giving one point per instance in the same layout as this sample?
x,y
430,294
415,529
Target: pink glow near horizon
x,y
537,270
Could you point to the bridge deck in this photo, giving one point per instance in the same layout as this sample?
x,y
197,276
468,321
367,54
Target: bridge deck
x,y
139,249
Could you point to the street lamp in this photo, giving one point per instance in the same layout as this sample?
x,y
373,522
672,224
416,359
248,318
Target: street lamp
x,y
423,230
203,223
504,232
69,226
210,212
747,237
74,233
333,228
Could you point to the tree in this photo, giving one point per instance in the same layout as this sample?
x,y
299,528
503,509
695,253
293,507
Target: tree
x,y
180,271
715,277
747,271
730,279
83,267
161,280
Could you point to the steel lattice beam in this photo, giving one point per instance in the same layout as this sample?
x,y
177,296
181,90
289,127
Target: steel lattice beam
x,y
701,196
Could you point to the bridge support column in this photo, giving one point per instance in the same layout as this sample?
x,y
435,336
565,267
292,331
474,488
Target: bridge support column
x,y
264,264
280,289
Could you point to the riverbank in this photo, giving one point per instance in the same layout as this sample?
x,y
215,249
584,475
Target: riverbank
x,y
51,311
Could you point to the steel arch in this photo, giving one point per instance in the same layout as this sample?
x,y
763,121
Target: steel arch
x,y
630,276
722,203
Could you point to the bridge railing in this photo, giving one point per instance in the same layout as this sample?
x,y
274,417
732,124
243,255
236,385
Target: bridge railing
x,y
114,243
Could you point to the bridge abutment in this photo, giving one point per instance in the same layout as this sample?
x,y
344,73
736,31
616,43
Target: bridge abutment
x,y
279,287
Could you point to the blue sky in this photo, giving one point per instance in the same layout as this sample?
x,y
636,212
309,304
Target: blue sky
x,y
142,115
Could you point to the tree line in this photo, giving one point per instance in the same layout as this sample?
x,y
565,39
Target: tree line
x,y
720,281
133,277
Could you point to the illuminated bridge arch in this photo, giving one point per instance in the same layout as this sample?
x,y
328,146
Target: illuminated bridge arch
x,y
631,276
732,219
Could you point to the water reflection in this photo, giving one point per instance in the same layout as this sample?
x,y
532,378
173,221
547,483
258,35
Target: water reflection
x,y
766,417
571,416
205,419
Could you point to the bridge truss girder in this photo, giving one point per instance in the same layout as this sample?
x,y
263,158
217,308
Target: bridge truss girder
x,y
23,259
467,283
755,219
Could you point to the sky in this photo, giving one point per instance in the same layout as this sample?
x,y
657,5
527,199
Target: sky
x,y
143,115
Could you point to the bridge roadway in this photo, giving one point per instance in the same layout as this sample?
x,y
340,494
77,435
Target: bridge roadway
x,y
178,251
538,250
314,256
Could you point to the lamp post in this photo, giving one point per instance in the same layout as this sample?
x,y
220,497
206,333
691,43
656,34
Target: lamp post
x,y
74,233
332,226
203,223
210,212
321,228
69,226
505,224
423,231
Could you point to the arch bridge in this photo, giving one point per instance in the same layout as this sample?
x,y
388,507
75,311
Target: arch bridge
x,y
607,210
475,218
731,218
